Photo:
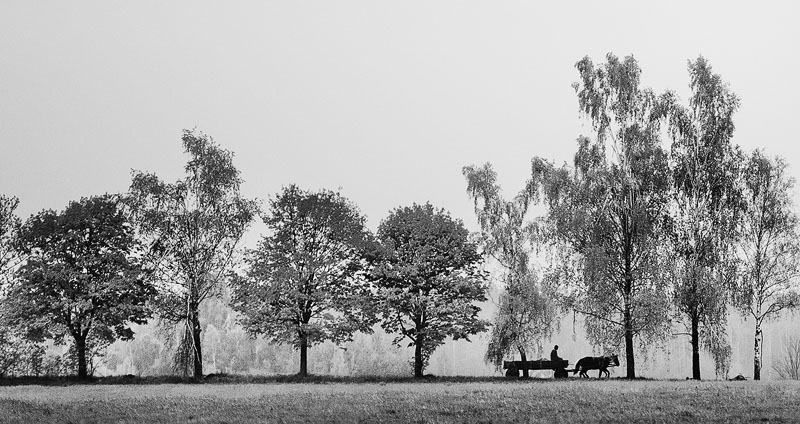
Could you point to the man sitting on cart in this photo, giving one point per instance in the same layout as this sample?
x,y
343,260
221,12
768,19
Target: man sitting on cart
x,y
559,365
554,355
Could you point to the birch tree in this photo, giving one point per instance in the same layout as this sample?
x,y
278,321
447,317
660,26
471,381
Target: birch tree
x,y
706,209
9,225
526,314
608,214
192,228
770,247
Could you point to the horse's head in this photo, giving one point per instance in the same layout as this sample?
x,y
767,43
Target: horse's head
x,y
613,360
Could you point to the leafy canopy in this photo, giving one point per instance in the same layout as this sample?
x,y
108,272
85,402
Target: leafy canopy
x,y
305,279
706,206
608,214
192,225
770,246
9,225
82,277
428,278
192,228
526,314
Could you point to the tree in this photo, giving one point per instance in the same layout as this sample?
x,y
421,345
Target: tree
x,y
608,215
706,208
428,278
525,313
192,228
144,354
9,225
81,278
14,349
770,247
305,282
18,355
788,367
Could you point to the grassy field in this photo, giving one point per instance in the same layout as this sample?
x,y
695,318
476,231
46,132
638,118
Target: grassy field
x,y
437,400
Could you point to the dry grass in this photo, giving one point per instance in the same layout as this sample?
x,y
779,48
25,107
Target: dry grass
x,y
440,401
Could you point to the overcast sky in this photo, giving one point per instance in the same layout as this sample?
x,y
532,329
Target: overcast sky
x,y
387,100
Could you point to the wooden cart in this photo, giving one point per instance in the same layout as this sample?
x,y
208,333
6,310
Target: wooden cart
x,y
559,367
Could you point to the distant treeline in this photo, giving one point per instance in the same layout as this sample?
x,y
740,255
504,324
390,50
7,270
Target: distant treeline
x,y
657,227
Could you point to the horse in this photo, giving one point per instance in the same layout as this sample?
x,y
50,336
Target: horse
x,y
596,363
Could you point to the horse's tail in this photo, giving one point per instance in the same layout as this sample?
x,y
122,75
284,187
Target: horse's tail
x,y
577,367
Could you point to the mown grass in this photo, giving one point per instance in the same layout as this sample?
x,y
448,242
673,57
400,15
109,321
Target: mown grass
x,y
236,379
436,400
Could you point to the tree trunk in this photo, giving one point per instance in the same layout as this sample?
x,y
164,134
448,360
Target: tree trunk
x,y
196,348
524,363
80,350
629,360
418,361
695,347
630,363
303,355
759,340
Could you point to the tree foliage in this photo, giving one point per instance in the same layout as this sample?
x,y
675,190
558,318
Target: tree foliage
x,y
526,314
525,317
305,282
15,349
608,215
428,279
770,247
19,355
9,225
81,278
706,208
192,228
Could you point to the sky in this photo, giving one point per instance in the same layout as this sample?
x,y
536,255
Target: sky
x,y
386,101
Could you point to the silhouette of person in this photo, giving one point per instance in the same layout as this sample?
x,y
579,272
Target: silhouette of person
x,y
554,354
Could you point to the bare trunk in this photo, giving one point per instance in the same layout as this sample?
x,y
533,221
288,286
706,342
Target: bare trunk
x,y
629,359
695,347
524,363
196,348
418,362
630,363
80,350
303,354
759,340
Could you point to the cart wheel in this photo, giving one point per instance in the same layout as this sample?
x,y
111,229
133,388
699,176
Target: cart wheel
x,y
561,373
